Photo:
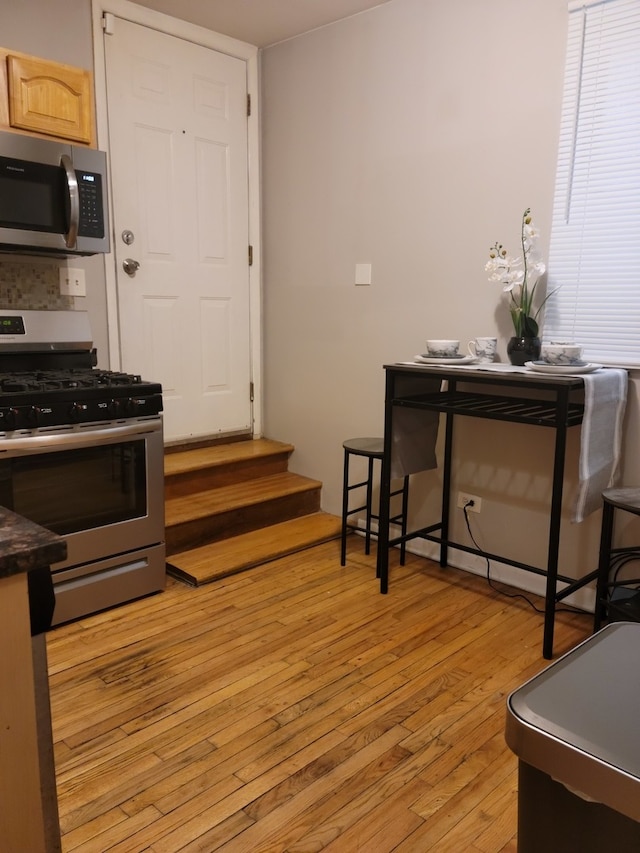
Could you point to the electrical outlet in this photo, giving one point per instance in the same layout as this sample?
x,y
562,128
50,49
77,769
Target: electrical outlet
x,y
465,500
72,282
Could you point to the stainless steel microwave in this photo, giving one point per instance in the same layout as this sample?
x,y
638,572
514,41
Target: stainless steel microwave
x,y
53,197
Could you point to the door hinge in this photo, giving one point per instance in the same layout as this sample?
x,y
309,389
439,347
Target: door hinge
x,y
250,256
251,392
108,23
248,104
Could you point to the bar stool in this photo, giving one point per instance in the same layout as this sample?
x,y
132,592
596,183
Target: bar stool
x,y
611,560
371,449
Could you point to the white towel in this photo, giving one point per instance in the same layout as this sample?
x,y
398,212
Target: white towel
x,y
605,397
415,431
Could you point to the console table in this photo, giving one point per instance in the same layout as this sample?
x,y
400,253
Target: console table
x,y
546,400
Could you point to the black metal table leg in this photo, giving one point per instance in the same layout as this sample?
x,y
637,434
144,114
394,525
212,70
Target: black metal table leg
x,y
345,507
446,483
382,564
555,516
604,564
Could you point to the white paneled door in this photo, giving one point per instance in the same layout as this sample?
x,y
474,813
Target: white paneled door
x,y
177,116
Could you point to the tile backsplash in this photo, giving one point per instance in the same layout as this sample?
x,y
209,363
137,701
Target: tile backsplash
x,y
32,285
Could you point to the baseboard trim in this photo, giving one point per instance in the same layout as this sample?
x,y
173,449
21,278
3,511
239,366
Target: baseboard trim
x,y
204,441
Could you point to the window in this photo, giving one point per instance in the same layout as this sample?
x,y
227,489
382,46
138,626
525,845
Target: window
x,y
594,257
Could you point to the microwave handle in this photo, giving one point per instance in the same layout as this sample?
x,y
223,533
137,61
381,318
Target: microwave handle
x,y
74,201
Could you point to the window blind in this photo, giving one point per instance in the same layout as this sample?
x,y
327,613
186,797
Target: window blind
x,y
594,258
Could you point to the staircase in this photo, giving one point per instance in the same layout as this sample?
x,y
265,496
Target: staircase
x,y
231,507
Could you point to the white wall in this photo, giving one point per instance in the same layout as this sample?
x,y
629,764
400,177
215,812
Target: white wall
x,y
411,137
59,30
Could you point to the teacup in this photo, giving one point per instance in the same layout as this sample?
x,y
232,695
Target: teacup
x,y
561,352
483,349
442,349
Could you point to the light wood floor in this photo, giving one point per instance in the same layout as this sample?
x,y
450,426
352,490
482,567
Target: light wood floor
x,y
293,708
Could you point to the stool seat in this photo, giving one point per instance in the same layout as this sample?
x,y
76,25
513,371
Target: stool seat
x,y
372,449
365,447
621,596
625,498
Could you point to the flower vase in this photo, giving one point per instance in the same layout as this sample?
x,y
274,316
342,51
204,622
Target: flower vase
x,y
523,349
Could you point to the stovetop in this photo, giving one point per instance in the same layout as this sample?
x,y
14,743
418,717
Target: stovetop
x,y
48,375
37,400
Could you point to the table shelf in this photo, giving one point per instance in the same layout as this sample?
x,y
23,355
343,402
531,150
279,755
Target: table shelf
x,y
494,407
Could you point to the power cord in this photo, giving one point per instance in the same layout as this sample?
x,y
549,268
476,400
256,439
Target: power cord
x,y
491,583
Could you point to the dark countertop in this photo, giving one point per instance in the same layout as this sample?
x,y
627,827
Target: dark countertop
x,y
25,546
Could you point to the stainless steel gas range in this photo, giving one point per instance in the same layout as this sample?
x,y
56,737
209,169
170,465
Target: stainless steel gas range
x,y
81,454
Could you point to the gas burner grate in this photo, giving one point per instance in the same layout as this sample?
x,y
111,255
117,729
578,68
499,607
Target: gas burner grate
x,y
52,380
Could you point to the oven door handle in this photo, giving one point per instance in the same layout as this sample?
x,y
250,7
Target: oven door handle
x,y
65,441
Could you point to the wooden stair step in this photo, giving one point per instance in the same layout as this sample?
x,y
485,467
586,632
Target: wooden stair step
x,y
220,559
236,497
195,519
189,471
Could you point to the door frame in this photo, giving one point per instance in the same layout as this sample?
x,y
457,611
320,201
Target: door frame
x,y
232,47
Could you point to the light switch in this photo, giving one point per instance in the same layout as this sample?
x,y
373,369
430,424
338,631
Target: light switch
x,y
363,273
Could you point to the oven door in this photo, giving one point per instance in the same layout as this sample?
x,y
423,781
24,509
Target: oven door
x,y
100,487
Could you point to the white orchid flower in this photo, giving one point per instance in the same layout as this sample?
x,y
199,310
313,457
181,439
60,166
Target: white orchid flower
x,y
519,277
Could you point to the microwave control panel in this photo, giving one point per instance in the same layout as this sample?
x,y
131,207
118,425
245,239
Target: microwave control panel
x,y
91,222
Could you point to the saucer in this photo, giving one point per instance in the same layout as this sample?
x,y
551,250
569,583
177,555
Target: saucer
x,y
447,359
567,369
579,363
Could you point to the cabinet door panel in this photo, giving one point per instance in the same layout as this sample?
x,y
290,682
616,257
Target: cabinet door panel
x,y
48,97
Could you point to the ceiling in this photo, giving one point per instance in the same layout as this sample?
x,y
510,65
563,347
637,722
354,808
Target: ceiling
x,y
261,22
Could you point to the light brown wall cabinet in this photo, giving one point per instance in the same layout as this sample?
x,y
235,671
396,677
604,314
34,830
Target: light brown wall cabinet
x,y
45,98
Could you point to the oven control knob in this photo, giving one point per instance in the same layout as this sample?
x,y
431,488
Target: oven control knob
x,y
131,405
108,409
77,412
33,415
8,418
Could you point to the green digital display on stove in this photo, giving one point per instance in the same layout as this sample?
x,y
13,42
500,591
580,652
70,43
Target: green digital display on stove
x,y
11,325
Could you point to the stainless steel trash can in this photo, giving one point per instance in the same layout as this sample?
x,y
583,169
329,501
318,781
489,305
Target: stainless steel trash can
x,y
575,730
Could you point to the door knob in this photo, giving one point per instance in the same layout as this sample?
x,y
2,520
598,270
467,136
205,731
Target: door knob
x,y
130,266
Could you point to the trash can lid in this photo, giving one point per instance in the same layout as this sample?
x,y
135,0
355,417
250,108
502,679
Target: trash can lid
x,y
578,719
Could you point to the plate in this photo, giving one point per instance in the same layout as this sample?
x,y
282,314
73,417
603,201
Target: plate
x,y
452,359
541,361
567,369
